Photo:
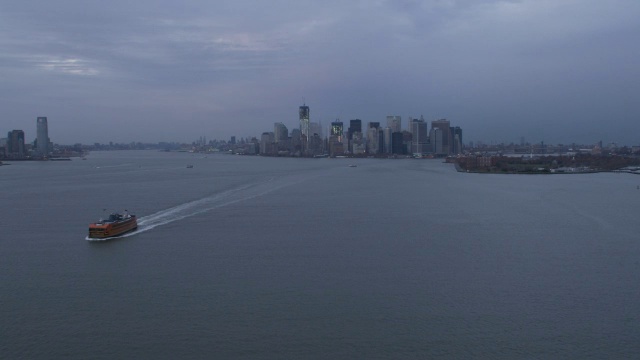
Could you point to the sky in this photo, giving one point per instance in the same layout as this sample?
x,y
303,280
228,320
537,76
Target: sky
x,y
558,71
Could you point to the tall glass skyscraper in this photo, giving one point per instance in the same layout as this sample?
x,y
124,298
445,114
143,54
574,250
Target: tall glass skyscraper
x,y
43,136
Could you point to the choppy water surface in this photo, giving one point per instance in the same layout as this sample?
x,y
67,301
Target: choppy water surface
x,y
248,257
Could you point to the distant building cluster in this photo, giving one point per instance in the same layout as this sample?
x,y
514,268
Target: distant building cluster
x,y
375,139
14,146
353,139
580,162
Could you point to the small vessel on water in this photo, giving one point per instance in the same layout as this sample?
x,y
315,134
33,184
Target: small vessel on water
x,y
115,225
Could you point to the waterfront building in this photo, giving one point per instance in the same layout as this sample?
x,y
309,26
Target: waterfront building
x,y
43,148
315,145
444,145
281,137
335,147
395,123
456,133
336,138
419,136
315,128
3,147
373,140
15,144
386,147
280,131
337,129
252,146
358,145
267,143
355,125
435,141
296,141
406,141
397,143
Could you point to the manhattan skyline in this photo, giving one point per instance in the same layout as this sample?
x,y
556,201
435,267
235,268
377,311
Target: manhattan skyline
x,y
173,71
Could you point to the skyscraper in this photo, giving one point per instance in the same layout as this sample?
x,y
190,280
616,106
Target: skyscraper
x,y
43,136
336,129
304,120
296,141
335,138
436,140
420,136
267,143
395,123
397,143
456,134
355,125
4,147
386,148
444,146
15,143
280,131
315,128
373,140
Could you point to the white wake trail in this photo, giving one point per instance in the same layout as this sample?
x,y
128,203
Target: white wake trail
x,y
192,208
196,207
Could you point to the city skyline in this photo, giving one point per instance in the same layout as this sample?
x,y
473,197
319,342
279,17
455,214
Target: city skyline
x,y
282,132
548,71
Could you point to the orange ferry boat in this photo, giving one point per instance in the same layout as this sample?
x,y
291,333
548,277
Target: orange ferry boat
x,y
115,225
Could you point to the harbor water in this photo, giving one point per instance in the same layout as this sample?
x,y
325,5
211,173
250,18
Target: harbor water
x,y
242,257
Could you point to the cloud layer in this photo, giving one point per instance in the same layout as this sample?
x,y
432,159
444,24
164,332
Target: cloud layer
x,y
553,71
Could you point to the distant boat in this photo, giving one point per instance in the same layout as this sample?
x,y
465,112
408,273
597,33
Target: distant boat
x,y
352,165
189,166
115,225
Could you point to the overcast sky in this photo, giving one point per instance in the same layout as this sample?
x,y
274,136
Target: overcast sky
x,y
557,71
